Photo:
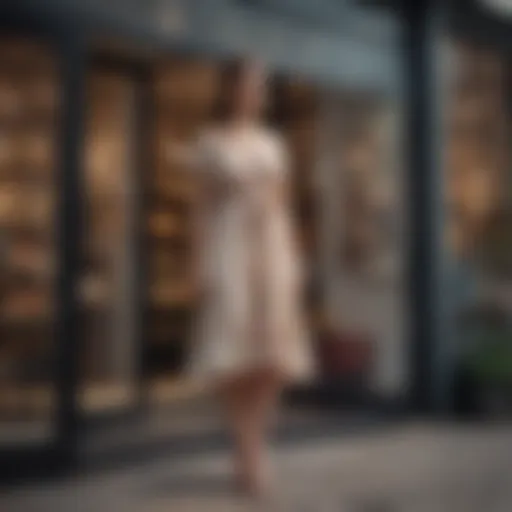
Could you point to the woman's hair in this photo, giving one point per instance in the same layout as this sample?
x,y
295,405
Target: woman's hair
x,y
230,76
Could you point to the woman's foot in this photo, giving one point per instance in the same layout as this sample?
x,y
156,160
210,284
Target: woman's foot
x,y
256,483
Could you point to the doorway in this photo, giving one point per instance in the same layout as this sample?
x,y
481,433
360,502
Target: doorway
x,y
183,93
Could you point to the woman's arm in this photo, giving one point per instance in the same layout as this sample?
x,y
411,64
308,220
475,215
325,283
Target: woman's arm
x,y
181,154
199,214
191,156
194,155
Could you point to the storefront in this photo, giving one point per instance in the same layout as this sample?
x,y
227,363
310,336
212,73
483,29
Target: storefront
x,y
95,305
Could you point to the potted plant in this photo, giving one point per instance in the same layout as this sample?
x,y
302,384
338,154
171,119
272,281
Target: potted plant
x,y
484,378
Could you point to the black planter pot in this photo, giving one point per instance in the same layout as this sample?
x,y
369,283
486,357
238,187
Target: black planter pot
x,y
496,400
467,394
474,398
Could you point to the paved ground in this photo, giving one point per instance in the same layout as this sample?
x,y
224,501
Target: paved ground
x,y
410,468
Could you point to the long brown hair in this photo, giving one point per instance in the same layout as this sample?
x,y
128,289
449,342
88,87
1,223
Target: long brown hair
x,y
230,76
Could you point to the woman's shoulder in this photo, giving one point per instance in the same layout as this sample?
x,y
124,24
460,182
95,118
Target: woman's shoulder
x,y
273,140
275,146
272,135
208,144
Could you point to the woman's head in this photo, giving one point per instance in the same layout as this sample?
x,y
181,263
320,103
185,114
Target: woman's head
x,y
242,90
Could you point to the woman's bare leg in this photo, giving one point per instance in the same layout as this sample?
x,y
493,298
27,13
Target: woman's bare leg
x,y
237,407
266,391
251,403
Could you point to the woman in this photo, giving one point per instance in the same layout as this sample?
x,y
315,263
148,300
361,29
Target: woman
x,y
250,340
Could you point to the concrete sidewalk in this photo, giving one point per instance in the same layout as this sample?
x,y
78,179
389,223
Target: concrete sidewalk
x,y
412,468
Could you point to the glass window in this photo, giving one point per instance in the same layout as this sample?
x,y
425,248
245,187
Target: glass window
x,y
183,92
28,129
361,189
478,148
479,223
110,359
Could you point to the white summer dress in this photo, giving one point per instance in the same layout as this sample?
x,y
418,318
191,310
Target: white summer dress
x,y
251,317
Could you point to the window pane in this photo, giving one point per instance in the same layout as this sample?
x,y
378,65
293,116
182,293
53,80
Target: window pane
x,y
107,285
28,110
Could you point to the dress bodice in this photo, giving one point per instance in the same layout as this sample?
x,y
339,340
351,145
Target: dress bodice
x,y
244,163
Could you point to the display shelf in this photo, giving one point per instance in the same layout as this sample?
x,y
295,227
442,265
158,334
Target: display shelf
x,y
29,93
183,93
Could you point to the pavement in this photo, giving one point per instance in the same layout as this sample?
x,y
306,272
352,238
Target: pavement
x,y
412,467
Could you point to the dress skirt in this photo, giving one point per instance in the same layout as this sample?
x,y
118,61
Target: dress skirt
x,y
251,317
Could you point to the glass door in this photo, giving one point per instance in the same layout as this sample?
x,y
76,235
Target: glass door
x,y
183,91
110,362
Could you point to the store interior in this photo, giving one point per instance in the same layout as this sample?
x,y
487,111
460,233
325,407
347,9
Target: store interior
x,y
29,109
